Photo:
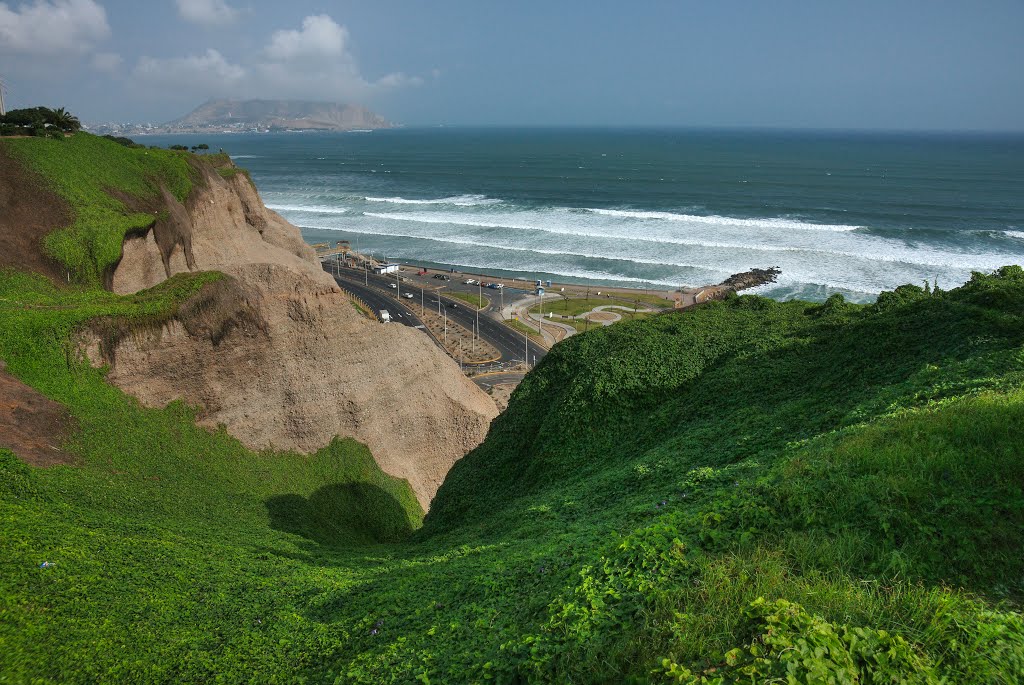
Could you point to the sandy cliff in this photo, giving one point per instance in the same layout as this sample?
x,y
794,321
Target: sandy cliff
x,y
277,353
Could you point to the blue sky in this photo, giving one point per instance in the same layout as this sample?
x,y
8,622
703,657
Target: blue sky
x,y
900,64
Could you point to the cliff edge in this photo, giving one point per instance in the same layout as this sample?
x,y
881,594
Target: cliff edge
x,y
277,353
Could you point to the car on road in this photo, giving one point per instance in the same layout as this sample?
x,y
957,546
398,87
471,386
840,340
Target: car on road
x,y
407,296
452,305
392,285
495,286
442,277
469,281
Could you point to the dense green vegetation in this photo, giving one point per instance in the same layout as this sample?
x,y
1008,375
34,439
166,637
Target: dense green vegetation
x,y
748,492
39,121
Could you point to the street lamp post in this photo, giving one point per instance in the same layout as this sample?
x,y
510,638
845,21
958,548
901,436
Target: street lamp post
x,y
526,349
541,324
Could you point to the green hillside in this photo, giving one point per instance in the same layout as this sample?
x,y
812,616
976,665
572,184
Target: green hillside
x,y
748,492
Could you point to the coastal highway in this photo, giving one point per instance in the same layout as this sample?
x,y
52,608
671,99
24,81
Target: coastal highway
x,y
377,301
378,295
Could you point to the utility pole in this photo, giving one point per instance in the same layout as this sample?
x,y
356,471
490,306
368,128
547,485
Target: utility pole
x,y
3,110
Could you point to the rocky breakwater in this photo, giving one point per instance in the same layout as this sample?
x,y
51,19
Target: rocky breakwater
x,y
276,352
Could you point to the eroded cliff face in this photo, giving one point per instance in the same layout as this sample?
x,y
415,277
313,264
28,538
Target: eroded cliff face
x,y
279,355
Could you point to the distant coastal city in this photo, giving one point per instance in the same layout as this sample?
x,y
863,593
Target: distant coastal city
x,y
253,116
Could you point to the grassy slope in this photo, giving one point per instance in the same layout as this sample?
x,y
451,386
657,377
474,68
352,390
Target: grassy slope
x,y
154,521
82,169
858,468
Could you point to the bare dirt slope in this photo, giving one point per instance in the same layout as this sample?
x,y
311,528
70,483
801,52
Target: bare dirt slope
x,y
28,211
31,425
303,365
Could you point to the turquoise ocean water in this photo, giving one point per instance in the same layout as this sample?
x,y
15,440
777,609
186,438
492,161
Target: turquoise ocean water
x,y
854,213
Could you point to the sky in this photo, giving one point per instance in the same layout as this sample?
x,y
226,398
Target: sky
x,y
846,64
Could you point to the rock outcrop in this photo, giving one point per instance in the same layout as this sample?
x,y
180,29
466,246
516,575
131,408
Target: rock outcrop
x,y
277,353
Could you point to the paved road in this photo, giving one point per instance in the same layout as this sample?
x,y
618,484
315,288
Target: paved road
x,y
378,301
378,294
489,380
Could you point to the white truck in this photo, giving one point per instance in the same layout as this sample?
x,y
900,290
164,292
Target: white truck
x,y
384,316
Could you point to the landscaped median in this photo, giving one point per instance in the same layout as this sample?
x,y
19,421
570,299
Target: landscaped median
x,y
477,301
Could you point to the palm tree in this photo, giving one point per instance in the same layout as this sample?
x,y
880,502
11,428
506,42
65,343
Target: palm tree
x,y
65,120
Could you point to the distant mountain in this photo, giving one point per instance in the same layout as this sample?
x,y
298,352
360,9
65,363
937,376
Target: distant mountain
x,y
286,114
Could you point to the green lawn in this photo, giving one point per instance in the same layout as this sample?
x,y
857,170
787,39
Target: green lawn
x,y
517,325
477,301
580,305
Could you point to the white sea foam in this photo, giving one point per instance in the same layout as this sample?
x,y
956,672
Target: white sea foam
x,y
311,209
852,246
1015,234
245,156
858,250
513,248
773,223
457,200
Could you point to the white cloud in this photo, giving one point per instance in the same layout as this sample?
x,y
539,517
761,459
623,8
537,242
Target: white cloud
x,y
106,61
206,73
46,28
320,37
313,62
207,12
316,62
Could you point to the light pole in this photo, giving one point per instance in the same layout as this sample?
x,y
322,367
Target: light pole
x,y
541,324
398,286
445,326
422,311
479,303
526,349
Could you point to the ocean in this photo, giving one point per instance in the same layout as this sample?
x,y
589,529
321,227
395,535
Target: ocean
x,y
850,213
